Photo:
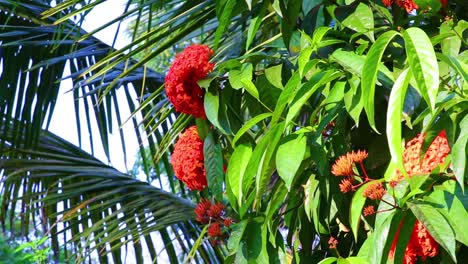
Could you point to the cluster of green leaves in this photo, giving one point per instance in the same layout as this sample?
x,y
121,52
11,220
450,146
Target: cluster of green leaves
x,y
297,84
378,82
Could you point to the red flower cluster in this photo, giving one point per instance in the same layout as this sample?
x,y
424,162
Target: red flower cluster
x,y
408,5
421,244
187,160
213,213
181,85
435,155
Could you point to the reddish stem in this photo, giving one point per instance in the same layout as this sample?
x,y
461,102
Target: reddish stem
x,y
366,178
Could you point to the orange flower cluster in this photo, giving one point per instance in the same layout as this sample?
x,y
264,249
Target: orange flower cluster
x,y
421,244
435,155
187,160
374,191
344,167
181,85
213,213
332,243
344,164
369,210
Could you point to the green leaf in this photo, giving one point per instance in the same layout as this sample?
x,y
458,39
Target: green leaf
x,y
309,195
236,169
432,6
357,260
256,241
212,110
362,21
237,76
370,70
236,235
357,203
309,4
451,45
273,75
382,230
459,164
286,96
214,166
250,88
290,14
248,125
439,228
289,157
395,108
224,21
267,165
405,229
328,260
423,63
255,23
306,91
449,197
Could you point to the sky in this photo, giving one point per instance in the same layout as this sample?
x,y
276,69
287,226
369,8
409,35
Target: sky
x,y
64,122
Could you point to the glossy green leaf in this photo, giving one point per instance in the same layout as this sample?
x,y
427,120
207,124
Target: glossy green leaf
x,y
224,21
273,75
459,159
395,108
249,86
214,166
236,76
362,20
370,70
236,235
289,157
423,63
328,260
451,45
448,199
286,96
405,229
256,241
306,91
357,260
255,23
236,169
384,220
267,161
357,203
436,224
248,125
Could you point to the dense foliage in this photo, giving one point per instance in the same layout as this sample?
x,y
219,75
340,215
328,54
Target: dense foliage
x,y
300,131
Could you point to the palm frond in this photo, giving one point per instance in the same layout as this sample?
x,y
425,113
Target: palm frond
x,y
88,204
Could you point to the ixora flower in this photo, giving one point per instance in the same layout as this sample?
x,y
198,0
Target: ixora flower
x,y
344,164
435,155
374,191
187,160
421,243
408,5
181,85
214,215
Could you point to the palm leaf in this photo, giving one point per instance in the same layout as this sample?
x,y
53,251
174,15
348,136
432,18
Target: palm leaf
x,y
74,193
